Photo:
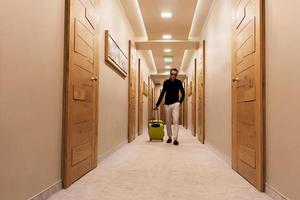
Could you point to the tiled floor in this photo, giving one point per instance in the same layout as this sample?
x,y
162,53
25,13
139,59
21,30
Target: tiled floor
x,y
146,170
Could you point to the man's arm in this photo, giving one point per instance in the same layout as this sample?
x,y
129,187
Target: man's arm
x,y
162,94
182,92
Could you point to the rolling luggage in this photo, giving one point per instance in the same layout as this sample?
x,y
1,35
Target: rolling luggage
x,y
156,128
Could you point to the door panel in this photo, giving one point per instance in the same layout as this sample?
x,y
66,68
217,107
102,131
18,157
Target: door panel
x,y
162,109
140,99
181,116
194,100
150,99
248,91
185,105
201,96
81,90
131,94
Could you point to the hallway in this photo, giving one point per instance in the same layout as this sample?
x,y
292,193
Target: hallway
x,y
144,170
80,80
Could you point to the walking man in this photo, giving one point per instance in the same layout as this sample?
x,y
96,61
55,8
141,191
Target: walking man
x,y
171,88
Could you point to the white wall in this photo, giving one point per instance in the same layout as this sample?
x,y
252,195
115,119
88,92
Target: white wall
x,y
31,88
113,89
189,73
217,34
145,75
283,96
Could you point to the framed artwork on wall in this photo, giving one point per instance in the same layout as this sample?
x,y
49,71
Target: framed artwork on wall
x,y
145,89
114,56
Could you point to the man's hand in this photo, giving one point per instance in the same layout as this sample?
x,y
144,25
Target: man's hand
x,y
155,108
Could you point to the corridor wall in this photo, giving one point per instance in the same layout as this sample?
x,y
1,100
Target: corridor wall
x,y
190,69
217,35
282,91
31,96
113,88
31,89
145,75
283,97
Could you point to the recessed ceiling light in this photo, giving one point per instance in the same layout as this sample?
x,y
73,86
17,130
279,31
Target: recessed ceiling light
x,y
167,50
168,59
167,36
168,67
166,14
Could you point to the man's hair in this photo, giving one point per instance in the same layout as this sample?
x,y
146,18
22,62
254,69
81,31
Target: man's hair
x,y
174,69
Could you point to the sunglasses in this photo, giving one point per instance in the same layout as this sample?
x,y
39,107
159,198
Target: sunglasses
x,y
173,74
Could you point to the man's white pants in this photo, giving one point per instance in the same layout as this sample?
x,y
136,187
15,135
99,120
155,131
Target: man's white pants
x,y
172,111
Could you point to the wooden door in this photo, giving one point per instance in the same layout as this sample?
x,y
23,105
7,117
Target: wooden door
x,y
194,100
181,111
185,105
150,99
181,115
131,94
201,95
153,98
140,99
162,110
81,90
248,91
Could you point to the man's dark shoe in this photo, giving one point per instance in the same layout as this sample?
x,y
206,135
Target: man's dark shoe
x,y
176,142
169,140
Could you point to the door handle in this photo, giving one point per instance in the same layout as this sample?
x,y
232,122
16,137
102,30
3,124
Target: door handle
x,y
94,78
235,79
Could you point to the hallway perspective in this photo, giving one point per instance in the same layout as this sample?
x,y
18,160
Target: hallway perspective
x,y
80,88
144,170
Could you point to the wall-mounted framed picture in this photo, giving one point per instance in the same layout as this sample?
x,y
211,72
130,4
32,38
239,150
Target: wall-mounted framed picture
x,y
145,89
114,56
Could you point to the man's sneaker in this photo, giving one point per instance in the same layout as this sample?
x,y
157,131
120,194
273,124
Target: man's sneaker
x,y
175,142
169,140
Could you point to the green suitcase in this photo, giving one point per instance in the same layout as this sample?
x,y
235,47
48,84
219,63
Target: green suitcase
x,y
156,130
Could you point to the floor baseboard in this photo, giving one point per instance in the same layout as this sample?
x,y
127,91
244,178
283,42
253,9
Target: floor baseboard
x,y
274,194
44,195
110,152
269,190
220,155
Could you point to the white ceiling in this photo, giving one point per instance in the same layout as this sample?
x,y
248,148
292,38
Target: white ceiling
x,y
185,27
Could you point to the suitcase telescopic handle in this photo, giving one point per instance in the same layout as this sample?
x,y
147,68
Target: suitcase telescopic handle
x,y
156,114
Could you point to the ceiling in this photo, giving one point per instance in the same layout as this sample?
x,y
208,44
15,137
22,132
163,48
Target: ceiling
x,y
178,49
178,26
185,25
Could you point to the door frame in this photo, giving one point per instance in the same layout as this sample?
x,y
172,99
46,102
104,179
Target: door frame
x,y
140,99
150,98
131,119
201,138
185,104
194,99
66,140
